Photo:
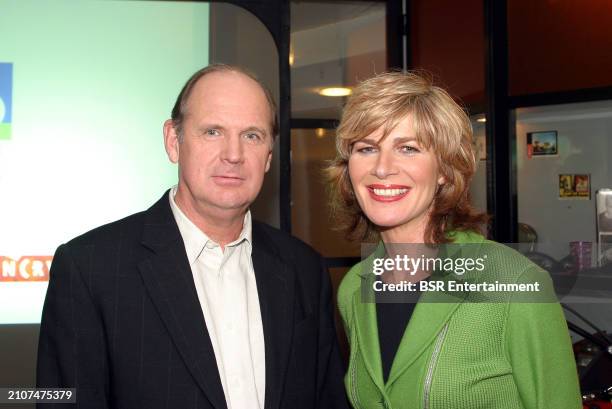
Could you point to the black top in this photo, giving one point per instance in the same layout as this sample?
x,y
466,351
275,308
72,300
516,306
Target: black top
x,y
393,312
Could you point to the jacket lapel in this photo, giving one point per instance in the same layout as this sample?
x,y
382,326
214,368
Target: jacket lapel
x,y
429,317
169,281
275,288
432,312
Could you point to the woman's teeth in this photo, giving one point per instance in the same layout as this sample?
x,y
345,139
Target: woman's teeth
x,y
389,192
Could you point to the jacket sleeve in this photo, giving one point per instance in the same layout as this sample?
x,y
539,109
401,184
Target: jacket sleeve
x,y
540,350
330,368
72,351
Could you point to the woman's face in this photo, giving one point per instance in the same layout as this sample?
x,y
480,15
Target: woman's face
x,y
395,180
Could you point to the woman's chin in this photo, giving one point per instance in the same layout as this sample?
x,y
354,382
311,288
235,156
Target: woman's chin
x,y
386,223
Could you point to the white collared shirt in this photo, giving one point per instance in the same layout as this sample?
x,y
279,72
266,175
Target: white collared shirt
x,y
227,291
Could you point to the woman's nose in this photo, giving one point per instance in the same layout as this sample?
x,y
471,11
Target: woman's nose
x,y
384,165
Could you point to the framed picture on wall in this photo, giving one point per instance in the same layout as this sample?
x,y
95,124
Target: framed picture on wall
x,y
542,143
575,186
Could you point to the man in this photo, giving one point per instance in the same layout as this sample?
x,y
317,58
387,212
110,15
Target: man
x,y
190,304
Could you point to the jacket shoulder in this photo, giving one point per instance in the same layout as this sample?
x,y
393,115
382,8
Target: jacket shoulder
x,y
119,230
128,228
502,261
349,284
506,262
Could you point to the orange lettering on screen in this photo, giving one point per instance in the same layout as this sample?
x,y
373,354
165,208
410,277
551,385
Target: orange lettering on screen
x,y
26,269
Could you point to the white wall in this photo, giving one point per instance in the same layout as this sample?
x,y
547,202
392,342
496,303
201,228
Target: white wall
x,y
584,146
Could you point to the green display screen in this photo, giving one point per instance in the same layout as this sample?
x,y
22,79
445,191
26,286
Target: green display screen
x,y
85,86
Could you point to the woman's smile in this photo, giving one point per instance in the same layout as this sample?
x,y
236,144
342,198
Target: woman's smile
x,y
388,193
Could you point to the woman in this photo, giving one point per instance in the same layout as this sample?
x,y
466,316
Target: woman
x,y
402,173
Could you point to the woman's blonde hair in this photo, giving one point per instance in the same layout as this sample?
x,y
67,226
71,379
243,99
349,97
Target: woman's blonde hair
x,y
441,126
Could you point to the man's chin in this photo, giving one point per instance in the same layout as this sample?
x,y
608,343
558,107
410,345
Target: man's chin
x,y
232,205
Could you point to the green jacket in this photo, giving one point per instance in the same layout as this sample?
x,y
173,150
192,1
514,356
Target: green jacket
x,y
462,353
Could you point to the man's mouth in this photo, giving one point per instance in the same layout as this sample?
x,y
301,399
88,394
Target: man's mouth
x,y
388,193
229,173
228,180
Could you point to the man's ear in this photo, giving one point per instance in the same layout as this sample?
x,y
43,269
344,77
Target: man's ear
x,y
171,141
268,161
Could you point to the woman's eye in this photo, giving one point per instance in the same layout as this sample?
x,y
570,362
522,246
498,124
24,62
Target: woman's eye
x,y
409,149
365,149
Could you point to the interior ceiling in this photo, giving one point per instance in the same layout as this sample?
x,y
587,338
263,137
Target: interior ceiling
x,y
330,42
311,14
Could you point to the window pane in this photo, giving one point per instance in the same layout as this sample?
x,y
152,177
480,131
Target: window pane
x,y
310,211
237,37
559,174
447,39
558,45
478,187
333,44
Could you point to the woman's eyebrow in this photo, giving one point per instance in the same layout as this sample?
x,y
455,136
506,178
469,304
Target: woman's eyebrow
x,y
402,139
367,141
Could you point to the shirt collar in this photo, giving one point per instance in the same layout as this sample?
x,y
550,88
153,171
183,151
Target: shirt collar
x,y
195,239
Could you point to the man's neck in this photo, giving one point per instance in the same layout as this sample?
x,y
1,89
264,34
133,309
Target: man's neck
x,y
223,226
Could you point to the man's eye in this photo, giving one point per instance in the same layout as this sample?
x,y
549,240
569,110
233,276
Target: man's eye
x,y
252,136
212,132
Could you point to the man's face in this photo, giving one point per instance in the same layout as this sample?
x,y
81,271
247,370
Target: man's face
x,y
226,146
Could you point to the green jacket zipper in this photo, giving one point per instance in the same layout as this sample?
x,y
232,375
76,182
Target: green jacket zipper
x,y
353,381
432,366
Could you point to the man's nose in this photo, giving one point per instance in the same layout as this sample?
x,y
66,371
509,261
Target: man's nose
x,y
233,149
384,165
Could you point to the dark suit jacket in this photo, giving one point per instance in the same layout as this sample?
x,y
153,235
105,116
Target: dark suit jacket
x,y
122,322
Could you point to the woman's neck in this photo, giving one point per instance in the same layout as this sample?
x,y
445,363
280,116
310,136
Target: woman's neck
x,y
406,233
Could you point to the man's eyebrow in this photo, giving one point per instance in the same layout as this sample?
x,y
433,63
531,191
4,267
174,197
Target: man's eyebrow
x,y
205,127
256,129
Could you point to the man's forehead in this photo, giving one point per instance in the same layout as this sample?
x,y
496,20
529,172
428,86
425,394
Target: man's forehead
x,y
228,80
227,90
